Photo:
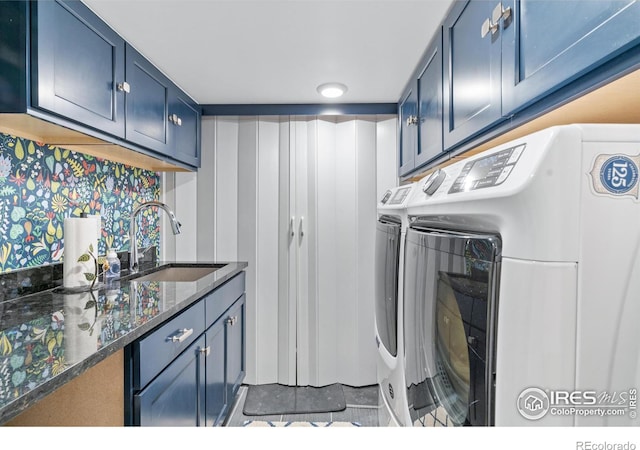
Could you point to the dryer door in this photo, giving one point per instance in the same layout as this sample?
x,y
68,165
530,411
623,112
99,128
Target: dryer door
x,y
450,303
386,283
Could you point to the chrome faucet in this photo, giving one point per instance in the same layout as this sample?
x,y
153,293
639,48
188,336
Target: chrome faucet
x,y
133,251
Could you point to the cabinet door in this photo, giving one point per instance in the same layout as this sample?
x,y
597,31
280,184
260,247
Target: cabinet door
x,y
551,43
408,116
430,104
184,127
78,62
147,104
176,396
215,390
472,71
234,329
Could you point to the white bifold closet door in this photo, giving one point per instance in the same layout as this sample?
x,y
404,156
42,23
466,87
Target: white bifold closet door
x,y
306,194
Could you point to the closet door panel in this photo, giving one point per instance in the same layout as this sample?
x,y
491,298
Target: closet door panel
x,y
246,241
323,311
286,259
346,237
267,231
363,363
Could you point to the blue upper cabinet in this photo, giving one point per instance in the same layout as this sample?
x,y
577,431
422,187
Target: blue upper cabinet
x,y
78,63
430,103
184,127
408,129
472,70
551,43
147,104
59,62
420,111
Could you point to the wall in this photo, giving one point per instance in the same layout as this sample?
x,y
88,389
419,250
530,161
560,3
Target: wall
x,y
245,194
40,185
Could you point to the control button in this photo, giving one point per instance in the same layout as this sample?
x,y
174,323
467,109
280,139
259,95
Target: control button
x,y
516,154
486,182
503,155
434,181
505,173
494,172
385,197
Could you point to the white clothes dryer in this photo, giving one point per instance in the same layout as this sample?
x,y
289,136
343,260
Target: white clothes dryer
x,y
389,253
522,282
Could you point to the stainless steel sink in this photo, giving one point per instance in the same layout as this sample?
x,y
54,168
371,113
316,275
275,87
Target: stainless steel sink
x,y
180,273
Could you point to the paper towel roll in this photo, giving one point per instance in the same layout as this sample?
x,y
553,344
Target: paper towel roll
x,y
79,234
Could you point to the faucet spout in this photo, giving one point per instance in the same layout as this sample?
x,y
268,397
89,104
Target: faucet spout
x,y
133,245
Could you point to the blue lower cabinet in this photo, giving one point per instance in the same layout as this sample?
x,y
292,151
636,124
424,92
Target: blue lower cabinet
x,y
215,390
235,333
187,371
176,397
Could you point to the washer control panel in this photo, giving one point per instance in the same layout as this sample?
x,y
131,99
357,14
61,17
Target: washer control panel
x,y
399,195
488,171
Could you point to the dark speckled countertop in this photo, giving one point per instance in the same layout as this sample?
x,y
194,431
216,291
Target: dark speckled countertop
x,y
48,338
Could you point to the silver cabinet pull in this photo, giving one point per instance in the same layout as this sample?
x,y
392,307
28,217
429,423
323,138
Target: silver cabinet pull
x,y
174,119
487,26
301,227
292,226
499,13
124,87
493,23
412,120
205,351
232,320
184,333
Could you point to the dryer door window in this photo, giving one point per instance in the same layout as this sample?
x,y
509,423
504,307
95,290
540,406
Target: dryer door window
x,y
386,284
451,351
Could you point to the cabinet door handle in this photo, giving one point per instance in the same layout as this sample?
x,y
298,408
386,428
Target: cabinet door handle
x,y
184,333
124,87
487,26
500,13
493,23
412,120
232,320
174,119
292,226
205,351
301,227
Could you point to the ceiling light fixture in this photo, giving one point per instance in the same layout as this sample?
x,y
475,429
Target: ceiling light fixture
x,y
332,90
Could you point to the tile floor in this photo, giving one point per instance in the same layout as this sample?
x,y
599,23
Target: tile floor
x,y
362,407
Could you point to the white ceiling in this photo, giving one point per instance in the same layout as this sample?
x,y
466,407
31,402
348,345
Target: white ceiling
x,y
277,52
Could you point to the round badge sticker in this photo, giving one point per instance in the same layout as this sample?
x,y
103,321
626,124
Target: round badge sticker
x,y
619,174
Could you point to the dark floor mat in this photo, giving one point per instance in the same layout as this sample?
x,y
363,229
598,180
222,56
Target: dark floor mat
x,y
269,399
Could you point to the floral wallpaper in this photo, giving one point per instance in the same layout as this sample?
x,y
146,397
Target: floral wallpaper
x,y
42,184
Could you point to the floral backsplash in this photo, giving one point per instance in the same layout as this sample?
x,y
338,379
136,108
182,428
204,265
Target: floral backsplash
x,y
42,184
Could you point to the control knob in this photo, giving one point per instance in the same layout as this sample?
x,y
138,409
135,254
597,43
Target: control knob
x,y
434,181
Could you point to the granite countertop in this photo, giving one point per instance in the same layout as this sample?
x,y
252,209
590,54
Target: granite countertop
x,y
50,337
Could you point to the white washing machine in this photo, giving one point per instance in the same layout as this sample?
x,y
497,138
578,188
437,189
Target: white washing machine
x,y
522,283
390,232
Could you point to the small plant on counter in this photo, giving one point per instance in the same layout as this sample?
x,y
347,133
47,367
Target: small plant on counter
x,y
97,261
